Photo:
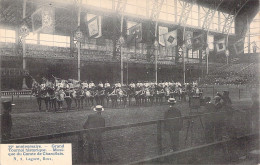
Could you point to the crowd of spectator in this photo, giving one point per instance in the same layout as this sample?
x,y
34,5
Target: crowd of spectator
x,y
237,74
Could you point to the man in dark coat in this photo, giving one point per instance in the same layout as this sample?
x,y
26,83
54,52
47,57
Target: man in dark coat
x,y
209,120
173,126
94,138
254,113
6,120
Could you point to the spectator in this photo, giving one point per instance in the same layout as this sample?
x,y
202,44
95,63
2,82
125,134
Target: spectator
x,y
255,112
6,120
94,137
173,126
209,120
219,118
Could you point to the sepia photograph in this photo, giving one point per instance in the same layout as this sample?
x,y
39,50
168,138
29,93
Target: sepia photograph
x,y
129,82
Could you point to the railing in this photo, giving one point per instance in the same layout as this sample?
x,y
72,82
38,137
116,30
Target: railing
x,y
17,93
153,129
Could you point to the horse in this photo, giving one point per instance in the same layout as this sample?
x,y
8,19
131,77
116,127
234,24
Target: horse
x,y
167,93
53,99
78,97
42,93
99,96
89,97
159,95
68,98
149,95
39,96
113,97
108,90
131,94
139,97
60,96
122,95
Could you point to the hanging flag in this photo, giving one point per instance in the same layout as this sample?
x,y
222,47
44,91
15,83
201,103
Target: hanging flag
x,y
162,31
135,33
210,42
188,39
221,45
43,20
170,39
48,19
94,26
198,42
24,30
239,46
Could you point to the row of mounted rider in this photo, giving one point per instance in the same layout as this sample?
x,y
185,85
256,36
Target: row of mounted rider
x,y
142,96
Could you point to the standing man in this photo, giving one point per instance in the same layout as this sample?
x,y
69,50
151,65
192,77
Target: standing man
x,y
6,120
173,126
94,137
254,113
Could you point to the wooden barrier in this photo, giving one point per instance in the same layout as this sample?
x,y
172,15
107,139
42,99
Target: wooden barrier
x,y
80,133
16,93
181,156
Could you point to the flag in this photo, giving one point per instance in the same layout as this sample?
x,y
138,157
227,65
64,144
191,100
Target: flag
x,y
170,39
210,42
135,33
94,27
48,19
198,42
162,31
220,45
188,39
239,46
43,20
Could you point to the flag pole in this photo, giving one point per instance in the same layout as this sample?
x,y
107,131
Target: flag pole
x,y
121,40
183,55
156,53
24,86
78,45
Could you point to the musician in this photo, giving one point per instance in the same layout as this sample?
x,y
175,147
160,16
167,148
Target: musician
x,y
254,112
219,118
209,120
6,120
94,137
60,96
85,85
132,85
107,85
146,84
173,126
118,85
100,84
91,84
68,97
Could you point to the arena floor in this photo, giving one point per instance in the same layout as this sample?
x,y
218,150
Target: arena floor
x,y
121,146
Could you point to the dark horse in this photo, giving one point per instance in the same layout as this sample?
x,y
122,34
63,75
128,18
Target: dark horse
x,y
44,94
100,96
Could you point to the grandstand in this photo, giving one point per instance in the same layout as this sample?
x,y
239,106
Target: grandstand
x,y
243,73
